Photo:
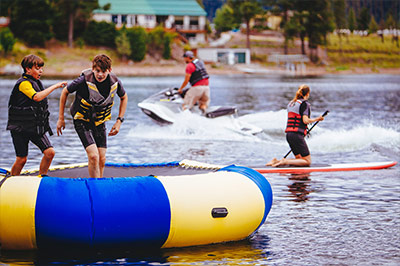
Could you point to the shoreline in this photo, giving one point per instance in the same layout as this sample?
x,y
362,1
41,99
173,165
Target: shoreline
x,y
152,70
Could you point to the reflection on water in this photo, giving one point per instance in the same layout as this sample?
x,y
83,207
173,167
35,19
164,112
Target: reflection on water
x,y
300,188
231,253
234,253
79,257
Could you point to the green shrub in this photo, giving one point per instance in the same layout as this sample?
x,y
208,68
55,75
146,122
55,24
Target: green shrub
x,y
100,34
122,44
168,37
155,39
159,42
138,39
7,40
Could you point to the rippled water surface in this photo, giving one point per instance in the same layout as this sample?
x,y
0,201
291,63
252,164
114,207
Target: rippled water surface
x,y
337,218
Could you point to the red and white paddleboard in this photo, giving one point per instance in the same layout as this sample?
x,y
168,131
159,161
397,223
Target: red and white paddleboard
x,y
327,167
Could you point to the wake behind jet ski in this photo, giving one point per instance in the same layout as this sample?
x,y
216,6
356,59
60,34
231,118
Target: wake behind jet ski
x,y
164,107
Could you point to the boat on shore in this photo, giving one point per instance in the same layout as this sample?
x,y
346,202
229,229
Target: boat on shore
x,y
175,204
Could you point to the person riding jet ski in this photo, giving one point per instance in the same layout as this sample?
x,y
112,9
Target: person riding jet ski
x,y
197,75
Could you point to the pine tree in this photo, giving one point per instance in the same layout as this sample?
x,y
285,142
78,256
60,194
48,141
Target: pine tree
x,y
352,20
30,21
224,19
373,26
71,11
244,11
339,12
363,19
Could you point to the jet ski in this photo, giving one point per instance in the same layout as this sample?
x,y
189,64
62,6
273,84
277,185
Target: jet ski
x,y
164,107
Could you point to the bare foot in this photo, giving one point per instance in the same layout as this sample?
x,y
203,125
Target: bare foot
x,y
279,163
273,161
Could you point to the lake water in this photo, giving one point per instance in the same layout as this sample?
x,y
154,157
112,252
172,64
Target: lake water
x,y
338,218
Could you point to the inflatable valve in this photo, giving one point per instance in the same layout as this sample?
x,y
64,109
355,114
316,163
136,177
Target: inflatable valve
x,y
219,212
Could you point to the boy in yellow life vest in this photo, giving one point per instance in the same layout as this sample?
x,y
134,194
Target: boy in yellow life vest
x,y
94,97
28,115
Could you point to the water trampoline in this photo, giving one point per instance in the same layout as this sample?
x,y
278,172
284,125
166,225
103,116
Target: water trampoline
x,y
174,204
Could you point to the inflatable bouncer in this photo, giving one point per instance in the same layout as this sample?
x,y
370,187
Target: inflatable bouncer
x,y
175,204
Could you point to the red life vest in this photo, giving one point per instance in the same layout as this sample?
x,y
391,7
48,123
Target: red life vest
x,y
295,118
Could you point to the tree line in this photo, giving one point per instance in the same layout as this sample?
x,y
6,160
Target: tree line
x,y
35,22
311,19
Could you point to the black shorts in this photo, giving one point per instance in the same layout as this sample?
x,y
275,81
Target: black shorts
x,y
90,134
297,143
21,141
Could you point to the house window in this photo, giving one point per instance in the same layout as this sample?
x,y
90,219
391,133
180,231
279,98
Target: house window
x,y
161,19
114,19
119,19
178,23
194,23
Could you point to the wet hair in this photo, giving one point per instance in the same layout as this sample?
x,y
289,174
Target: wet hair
x,y
301,92
30,61
102,61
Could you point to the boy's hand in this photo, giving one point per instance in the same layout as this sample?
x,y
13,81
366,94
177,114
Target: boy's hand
x,y
61,84
60,126
115,129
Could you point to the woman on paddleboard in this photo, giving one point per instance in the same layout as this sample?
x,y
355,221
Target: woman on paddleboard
x,y
299,112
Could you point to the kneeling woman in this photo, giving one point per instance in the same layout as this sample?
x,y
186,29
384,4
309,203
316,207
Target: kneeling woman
x,y
299,111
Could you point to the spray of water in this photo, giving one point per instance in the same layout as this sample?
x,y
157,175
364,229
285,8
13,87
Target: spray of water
x,y
324,139
194,127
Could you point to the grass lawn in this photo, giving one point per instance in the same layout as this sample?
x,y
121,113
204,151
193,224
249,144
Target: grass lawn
x,y
357,51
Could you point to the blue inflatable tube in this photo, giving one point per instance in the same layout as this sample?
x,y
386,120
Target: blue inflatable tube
x,y
102,212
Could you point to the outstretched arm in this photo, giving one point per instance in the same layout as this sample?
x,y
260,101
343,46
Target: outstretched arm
x,y
61,122
122,108
44,93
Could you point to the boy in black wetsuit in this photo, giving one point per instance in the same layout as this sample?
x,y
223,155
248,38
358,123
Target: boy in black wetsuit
x,y
95,90
28,115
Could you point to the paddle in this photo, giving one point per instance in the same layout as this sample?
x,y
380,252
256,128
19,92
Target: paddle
x,y
3,171
309,130
6,174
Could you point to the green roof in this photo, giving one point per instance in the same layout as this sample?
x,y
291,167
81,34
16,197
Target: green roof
x,y
153,7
